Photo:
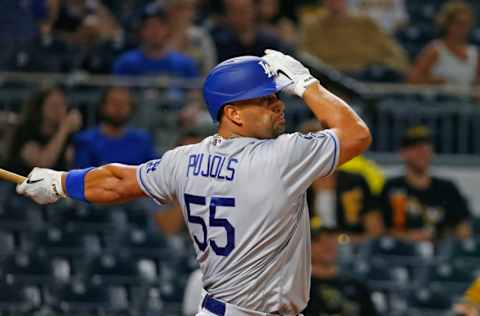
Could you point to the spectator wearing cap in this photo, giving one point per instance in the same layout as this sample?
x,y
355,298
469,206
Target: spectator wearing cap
x,y
154,56
331,292
239,32
418,205
449,59
194,41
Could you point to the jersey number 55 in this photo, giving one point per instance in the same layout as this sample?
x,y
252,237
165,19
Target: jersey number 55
x,y
213,222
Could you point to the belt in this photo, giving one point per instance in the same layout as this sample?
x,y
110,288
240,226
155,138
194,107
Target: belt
x,y
217,307
213,306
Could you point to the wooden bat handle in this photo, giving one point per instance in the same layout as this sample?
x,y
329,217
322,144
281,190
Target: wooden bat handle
x,y
10,176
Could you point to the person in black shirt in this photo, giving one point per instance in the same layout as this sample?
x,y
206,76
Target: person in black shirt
x,y
417,205
237,33
331,292
340,201
343,201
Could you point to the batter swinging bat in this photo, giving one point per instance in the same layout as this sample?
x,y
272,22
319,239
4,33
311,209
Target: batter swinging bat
x,y
11,177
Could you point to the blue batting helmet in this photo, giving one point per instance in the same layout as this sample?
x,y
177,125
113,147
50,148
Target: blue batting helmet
x,y
237,79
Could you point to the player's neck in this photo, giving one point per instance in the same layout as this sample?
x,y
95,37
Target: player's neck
x,y
228,133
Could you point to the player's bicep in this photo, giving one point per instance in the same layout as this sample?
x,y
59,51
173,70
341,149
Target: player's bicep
x,y
349,147
306,157
154,179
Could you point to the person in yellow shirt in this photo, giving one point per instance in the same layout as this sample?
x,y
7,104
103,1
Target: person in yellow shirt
x,y
470,306
367,168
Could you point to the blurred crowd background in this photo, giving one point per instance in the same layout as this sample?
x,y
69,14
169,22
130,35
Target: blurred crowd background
x,y
89,82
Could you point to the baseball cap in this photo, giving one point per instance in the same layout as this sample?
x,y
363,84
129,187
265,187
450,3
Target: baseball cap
x,y
153,10
416,135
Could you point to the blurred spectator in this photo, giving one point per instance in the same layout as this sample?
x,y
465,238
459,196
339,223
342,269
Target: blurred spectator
x,y
333,292
21,21
42,138
271,20
112,141
8,123
189,39
25,32
154,57
43,53
194,113
449,59
239,32
348,42
79,21
417,205
73,35
470,306
390,15
342,200
369,170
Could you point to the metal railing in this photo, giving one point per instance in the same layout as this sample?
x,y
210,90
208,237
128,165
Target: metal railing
x,y
452,112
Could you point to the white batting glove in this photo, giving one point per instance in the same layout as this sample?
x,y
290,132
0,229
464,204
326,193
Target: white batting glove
x,y
44,186
289,67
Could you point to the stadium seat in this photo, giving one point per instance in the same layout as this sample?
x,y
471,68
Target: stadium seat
x,y
20,214
391,250
145,244
63,242
13,299
81,298
467,250
28,268
380,275
379,73
444,276
428,301
90,219
114,269
7,241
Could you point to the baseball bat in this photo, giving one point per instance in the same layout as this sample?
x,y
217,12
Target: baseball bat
x,y
11,177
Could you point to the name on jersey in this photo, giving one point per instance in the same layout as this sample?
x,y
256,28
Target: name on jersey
x,y
212,166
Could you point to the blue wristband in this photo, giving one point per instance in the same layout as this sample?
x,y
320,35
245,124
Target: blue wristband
x,y
75,184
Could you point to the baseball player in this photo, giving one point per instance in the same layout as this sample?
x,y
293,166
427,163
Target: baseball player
x,y
242,190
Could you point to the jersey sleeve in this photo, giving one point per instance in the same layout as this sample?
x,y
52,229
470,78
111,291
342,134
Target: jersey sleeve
x,y
155,178
302,158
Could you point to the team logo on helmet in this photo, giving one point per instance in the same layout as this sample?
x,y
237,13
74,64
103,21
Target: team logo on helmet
x,y
266,68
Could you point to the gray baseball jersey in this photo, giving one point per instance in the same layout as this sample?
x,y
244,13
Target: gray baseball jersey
x,y
243,200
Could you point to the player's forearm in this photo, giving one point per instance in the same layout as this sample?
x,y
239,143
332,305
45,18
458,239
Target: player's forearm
x,y
109,184
335,113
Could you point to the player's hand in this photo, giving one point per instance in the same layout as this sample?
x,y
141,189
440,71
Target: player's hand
x,y
44,186
287,66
